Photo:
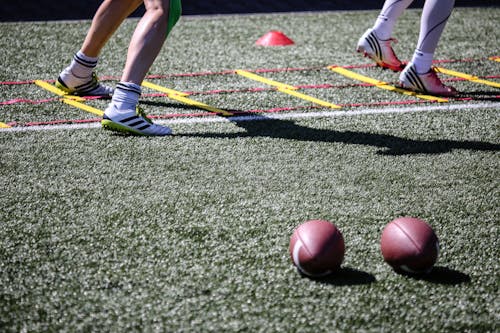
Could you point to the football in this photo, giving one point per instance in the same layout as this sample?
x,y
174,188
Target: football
x,y
409,245
317,248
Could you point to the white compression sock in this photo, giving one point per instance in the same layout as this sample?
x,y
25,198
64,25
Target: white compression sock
x,y
392,10
422,61
79,71
434,17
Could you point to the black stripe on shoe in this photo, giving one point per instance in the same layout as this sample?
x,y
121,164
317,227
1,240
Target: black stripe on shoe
x,y
374,44
415,79
61,82
135,122
86,87
129,119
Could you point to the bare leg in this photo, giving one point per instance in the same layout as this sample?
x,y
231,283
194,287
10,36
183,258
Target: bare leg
x,y
78,77
147,41
149,36
107,19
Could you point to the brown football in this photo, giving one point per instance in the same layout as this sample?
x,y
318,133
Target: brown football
x,y
317,248
409,245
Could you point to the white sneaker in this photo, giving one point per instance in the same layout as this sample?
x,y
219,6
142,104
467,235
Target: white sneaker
x,y
428,83
85,87
379,50
131,122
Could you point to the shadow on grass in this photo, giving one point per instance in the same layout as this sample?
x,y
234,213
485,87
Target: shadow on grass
x,y
442,275
483,96
392,145
345,277
172,105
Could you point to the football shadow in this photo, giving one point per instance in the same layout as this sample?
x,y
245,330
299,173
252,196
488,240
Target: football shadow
x,y
345,276
442,275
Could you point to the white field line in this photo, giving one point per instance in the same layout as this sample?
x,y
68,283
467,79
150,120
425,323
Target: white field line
x,y
300,115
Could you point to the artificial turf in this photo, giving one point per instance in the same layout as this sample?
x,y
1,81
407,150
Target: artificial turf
x,y
101,232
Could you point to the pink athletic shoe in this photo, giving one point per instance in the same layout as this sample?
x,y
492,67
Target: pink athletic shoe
x,y
428,83
379,51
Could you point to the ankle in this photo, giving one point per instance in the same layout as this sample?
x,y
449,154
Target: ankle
x,y
82,65
383,27
422,61
126,96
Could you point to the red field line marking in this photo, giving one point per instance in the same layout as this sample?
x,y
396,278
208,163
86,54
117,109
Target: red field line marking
x,y
227,91
261,70
247,90
6,83
230,91
28,101
235,112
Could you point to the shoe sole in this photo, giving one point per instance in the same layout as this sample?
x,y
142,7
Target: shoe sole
x,y
114,127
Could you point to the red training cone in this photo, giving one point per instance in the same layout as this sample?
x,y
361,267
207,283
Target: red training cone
x,y
274,38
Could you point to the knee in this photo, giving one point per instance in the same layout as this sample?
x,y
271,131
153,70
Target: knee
x,y
166,11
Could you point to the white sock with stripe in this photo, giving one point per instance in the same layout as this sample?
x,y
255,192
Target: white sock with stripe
x,y
126,96
80,70
82,65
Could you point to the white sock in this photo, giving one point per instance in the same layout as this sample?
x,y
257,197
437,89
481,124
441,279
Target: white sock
x,y
126,96
79,71
82,66
422,61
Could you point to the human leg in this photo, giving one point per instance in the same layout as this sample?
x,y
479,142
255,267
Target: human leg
x,y
376,41
390,13
418,75
107,19
435,14
145,45
79,78
147,40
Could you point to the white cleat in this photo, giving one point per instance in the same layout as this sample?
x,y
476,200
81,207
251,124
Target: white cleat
x,y
379,50
132,122
87,87
428,83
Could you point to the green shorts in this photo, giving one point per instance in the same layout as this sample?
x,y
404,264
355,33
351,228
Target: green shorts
x,y
174,14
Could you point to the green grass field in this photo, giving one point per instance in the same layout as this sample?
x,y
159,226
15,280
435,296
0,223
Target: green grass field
x,y
107,233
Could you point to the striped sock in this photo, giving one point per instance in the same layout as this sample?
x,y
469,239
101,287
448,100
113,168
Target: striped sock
x,y
126,96
82,66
